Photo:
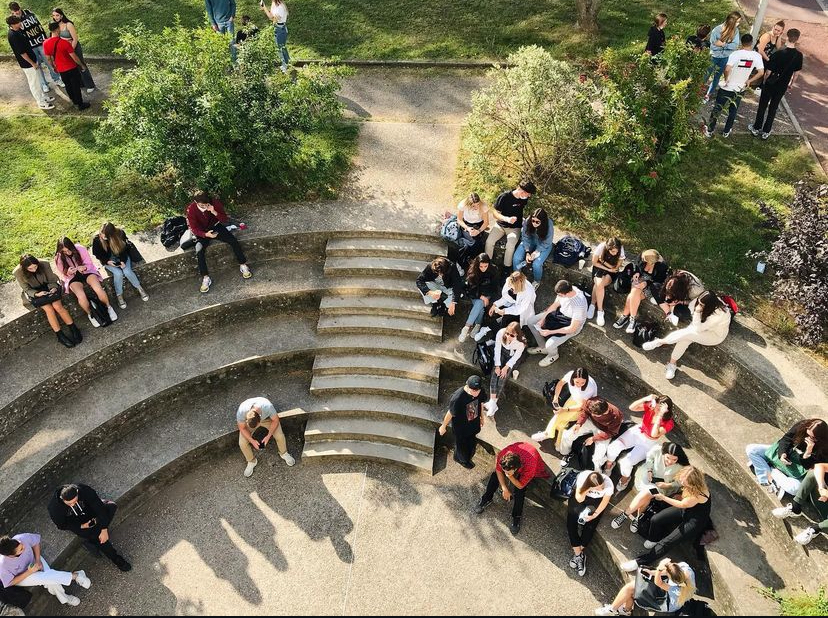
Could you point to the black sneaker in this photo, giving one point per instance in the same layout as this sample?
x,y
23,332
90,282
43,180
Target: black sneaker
x,y
122,564
582,564
621,322
515,525
481,506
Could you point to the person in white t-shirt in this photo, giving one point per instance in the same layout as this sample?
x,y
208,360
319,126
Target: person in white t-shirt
x,y
589,499
561,321
278,14
744,68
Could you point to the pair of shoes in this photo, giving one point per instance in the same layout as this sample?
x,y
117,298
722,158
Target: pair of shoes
x,y
514,527
481,506
753,131
670,371
622,321
539,436
122,564
111,311
82,580
245,271
547,360
206,282
288,459
464,333
649,346
599,318
251,465
535,350
121,301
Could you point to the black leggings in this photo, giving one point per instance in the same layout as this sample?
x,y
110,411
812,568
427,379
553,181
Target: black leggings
x,y
224,236
518,495
580,536
669,528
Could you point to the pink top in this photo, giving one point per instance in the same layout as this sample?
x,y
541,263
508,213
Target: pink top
x,y
86,260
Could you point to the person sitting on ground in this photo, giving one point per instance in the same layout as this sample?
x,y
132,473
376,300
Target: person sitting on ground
x,y
509,346
588,501
516,302
780,467
508,219
700,41
648,277
21,564
599,418
41,289
574,388
111,247
464,414
252,414
656,423
78,509
516,465
481,288
207,221
680,289
562,320
663,463
75,268
656,39
441,286
685,519
473,220
607,261
814,492
248,30
710,325
536,244
664,589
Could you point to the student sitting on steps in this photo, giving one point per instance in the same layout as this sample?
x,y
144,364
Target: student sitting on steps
x,y
664,589
562,320
41,289
680,289
481,289
252,414
813,492
602,421
648,277
112,249
509,346
441,286
588,501
607,261
516,302
473,220
75,268
579,387
536,244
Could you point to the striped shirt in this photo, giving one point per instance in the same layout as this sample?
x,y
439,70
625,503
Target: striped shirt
x,y
575,307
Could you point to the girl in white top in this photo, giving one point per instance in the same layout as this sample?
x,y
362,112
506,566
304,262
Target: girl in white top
x,y
278,14
710,325
509,346
517,298
592,491
473,220
607,261
581,387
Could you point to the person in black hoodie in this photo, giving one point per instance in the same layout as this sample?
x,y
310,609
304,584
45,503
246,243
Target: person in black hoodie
x,y
78,509
441,286
482,290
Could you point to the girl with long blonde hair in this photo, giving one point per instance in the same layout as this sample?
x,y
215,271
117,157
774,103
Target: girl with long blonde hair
x,y
510,343
664,589
517,300
724,40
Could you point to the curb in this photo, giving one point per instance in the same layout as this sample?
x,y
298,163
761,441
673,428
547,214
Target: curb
x,y
811,150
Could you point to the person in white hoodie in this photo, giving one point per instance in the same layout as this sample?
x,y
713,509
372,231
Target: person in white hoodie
x,y
509,346
516,299
710,325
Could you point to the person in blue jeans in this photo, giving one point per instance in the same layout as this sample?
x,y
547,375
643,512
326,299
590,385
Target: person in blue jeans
x,y
535,244
278,14
110,246
724,40
482,289
222,14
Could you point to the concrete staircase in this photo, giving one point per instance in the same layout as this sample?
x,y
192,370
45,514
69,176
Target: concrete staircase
x,y
374,392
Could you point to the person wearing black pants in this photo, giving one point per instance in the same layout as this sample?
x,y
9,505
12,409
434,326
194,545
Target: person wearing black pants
x,y
63,59
466,420
783,67
588,501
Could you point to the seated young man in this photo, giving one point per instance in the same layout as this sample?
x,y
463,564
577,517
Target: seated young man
x,y
441,286
812,491
254,413
561,321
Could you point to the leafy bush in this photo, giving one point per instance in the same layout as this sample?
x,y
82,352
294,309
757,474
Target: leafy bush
x,y
800,603
186,112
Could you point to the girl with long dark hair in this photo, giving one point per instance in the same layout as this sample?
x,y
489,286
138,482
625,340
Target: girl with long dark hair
x,y
607,261
111,247
75,268
481,288
41,289
536,244
68,32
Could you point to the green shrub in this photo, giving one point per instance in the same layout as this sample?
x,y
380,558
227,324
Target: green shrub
x,y
800,603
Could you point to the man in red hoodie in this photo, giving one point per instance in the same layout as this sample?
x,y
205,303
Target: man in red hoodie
x,y
206,219
601,419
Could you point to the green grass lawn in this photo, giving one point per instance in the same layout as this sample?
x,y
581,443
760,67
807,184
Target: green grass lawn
x,y
379,29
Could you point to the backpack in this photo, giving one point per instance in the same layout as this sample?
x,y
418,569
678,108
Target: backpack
x,y
587,293
695,607
644,331
172,230
563,485
450,231
99,312
548,391
730,303
483,356
580,457
568,250
623,282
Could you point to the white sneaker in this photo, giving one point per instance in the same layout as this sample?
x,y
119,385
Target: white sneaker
x,y
630,327
475,330
673,319
599,319
515,374
206,282
251,465
481,334
784,511
630,566
45,88
82,580
591,312
806,536
535,350
491,408
60,84
94,322
121,302
670,372
547,360
464,333
245,271
539,436
649,544
607,610
70,600
288,459
112,315
90,90
649,346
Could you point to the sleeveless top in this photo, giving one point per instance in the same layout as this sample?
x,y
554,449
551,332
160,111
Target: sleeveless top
x,y
65,34
770,46
700,511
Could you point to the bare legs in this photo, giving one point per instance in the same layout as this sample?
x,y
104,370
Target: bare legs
x,y
53,312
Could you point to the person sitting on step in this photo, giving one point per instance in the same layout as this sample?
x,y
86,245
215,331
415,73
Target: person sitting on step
x,y
75,268
664,589
573,389
441,286
508,219
648,277
466,418
516,466
640,439
112,249
536,244
813,492
678,291
710,326
208,220
562,320
599,418
21,564
473,221
607,261
589,499
481,288
510,343
663,463
516,302
781,466
40,288
252,414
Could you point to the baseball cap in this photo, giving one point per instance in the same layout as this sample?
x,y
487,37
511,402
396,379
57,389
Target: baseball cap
x,y
475,382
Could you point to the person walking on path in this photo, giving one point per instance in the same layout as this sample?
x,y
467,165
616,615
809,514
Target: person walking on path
x,y
724,40
783,70
63,59
254,413
278,14
656,39
508,215
737,77
78,509
68,32
26,58
36,35
466,418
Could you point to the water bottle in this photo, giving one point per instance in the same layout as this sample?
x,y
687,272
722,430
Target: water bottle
x,y
584,514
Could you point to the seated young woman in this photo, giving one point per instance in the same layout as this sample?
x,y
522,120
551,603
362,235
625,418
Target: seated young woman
x,y
657,475
588,502
516,302
678,291
536,243
473,220
573,389
41,289
813,492
648,277
781,466
664,589
111,247
510,344
481,289
607,261
441,286
75,268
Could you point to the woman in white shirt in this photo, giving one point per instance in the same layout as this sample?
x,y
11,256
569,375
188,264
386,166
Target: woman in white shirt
x,y
516,299
588,501
579,387
607,261
664,589
473,220
510,343
710,325
278,14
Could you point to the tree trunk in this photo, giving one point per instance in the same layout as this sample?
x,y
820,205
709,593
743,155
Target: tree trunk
x,y
588,14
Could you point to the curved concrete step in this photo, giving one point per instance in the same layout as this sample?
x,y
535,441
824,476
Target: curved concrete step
x,y
367,266
374,286
371,325
389,344
353,428
379,406
375,305
374,385
369,364
423,250
377,451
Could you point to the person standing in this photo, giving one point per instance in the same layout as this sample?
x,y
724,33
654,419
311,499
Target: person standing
x,y
63,59
724,40
68,32
464,414
656,39
783,69
78,509
508,215
37,36
737,77
254,413
26,58
278,14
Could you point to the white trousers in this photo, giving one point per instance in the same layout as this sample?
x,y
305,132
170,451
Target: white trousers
x,y
570,435
632,438
682,339
52,580
33,78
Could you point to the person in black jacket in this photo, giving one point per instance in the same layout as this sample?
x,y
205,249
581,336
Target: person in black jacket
x,y
649,274
656,39
482,290
441,286
114,252
78,509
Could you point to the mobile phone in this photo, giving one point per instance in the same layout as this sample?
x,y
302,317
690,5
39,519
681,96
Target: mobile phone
x,y
653,490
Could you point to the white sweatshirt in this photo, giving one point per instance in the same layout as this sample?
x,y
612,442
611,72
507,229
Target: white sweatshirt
x,y
523,305
515,347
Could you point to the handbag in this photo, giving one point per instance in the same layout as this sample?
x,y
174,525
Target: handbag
x,y
52,296
794,469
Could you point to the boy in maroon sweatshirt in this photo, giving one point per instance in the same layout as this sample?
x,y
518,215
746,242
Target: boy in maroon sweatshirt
x,y
207,221
601,419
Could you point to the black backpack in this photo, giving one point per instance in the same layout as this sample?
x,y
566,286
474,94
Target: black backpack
x,y
99,312
644,331
623,282
483,356
568,250
695,607
172,230
563,485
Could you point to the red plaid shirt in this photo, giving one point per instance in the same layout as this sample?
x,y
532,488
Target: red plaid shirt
x,y
531,463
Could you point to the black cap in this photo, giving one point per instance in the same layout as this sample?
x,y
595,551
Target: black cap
x,y
475,382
